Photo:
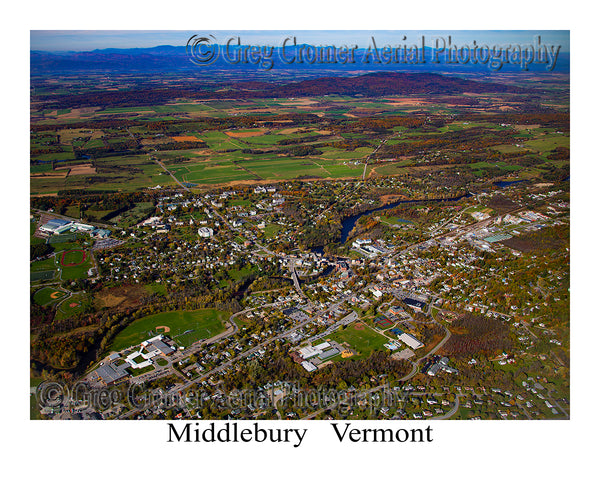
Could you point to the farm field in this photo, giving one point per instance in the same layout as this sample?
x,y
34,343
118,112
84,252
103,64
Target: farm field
x,y
207,143
199,324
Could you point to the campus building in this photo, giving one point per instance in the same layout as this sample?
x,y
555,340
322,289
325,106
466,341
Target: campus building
x,y
205,232
56,226
111,373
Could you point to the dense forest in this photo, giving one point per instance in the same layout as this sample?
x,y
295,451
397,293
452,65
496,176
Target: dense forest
x,y
476,334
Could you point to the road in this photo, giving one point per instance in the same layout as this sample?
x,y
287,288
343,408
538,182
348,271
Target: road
x,y
292,268
172,176
381,144
452,411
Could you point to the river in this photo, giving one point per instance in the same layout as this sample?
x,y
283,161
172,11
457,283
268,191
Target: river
x,y
349,223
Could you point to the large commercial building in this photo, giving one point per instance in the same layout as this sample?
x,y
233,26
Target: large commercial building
x,y
56,226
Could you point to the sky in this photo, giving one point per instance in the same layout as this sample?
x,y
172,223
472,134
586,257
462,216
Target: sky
x,y
86,40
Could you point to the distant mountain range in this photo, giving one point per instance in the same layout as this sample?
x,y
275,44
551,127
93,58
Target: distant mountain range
x,y
175,58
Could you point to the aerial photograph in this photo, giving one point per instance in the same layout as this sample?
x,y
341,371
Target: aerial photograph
x,y
330,225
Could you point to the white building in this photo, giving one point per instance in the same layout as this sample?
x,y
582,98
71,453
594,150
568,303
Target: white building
x,y
411,341
308,366
205,232
360,242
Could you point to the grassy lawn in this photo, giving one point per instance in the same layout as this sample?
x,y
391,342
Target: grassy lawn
x,y
158,288
139,371
139,359
161,362
238,274
393,220
42,265
198,324
272,229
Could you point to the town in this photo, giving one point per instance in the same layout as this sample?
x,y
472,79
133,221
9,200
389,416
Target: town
x,y
400,286
298,245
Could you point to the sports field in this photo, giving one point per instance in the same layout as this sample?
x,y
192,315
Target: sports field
x,y
72,258
361,338
48,295
71,306
42,270
185,327
74,264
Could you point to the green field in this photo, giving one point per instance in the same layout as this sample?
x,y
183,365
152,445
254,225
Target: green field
x,y
395,220
43,265
363,341
204,323
43,275
157,288
48,295
72,306
72,256
161,362
77,271
43,270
